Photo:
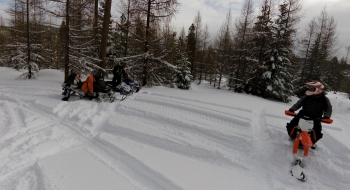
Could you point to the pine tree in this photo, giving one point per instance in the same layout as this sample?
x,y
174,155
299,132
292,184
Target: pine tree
x,y
191,45
320,48
60,42
210,68
240,66
4,52
277,60
262,33
196,54
203,53
259,44
153,12
306,43
26,39
223,51
183,78
116,46
330,77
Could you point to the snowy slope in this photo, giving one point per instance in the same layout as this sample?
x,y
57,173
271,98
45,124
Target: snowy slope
x,y
160,138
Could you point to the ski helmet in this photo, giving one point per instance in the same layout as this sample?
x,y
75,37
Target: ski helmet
x,y
314,88
121,62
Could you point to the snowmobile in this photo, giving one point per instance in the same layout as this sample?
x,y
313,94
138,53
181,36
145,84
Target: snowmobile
x,y
126,88
302,141
104,95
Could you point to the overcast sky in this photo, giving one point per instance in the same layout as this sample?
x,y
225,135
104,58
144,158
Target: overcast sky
x,y
213,14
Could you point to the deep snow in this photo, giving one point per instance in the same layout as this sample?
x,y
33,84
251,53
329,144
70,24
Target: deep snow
x,y
159,138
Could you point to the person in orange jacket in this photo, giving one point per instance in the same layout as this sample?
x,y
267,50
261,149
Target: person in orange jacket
x,y
93,84
88,86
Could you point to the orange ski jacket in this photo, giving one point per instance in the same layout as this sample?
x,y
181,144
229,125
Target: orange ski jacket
x,y
88,85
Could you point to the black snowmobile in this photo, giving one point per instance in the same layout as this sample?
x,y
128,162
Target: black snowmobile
x,y
102,92
126,88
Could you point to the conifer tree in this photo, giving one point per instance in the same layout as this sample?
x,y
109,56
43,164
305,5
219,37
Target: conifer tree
x,y
26,44
4,53
203,55
320,47
153,12
196,54
278,76
240,66
191,45
306,43
223,51
183,78
259,44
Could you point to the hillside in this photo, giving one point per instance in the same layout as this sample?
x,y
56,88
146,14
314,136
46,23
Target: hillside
x,y
159,138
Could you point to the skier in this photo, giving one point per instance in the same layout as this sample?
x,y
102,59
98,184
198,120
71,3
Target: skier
x,y
118,71
314,105
68,83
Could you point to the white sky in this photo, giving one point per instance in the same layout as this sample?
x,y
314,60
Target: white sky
x,y
214,12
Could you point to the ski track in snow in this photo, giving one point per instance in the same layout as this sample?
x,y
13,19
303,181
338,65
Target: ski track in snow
x,y
227,138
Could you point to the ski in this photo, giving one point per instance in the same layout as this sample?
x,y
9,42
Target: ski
x,y
297,171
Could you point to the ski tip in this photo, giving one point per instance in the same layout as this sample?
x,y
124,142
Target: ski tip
x,y
297,171
301,177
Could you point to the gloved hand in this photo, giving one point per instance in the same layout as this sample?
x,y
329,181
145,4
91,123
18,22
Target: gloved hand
x,y
291,110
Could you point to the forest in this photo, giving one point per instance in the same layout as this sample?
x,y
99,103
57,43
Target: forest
x,y
261,53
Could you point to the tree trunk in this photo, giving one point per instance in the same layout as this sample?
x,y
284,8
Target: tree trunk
x,y
127,30
145,62
95,15
66,55
28,43
311,33
95,20
106,19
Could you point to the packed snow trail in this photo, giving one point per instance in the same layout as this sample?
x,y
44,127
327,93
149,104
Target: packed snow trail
x,y
159,138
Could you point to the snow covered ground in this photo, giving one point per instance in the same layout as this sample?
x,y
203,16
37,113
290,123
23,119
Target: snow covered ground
x,y
160,138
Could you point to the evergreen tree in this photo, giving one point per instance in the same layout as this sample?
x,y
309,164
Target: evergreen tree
x,y
4,51
60,42
321,47
116,46
306,43
82,53
26,41
203,53
240,66
210,69
196,54
223,51
183,78
262,33
277,61
330,76
191,45
259,44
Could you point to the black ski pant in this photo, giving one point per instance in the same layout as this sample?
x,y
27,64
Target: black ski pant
x,y
117,79
67,90
315,135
